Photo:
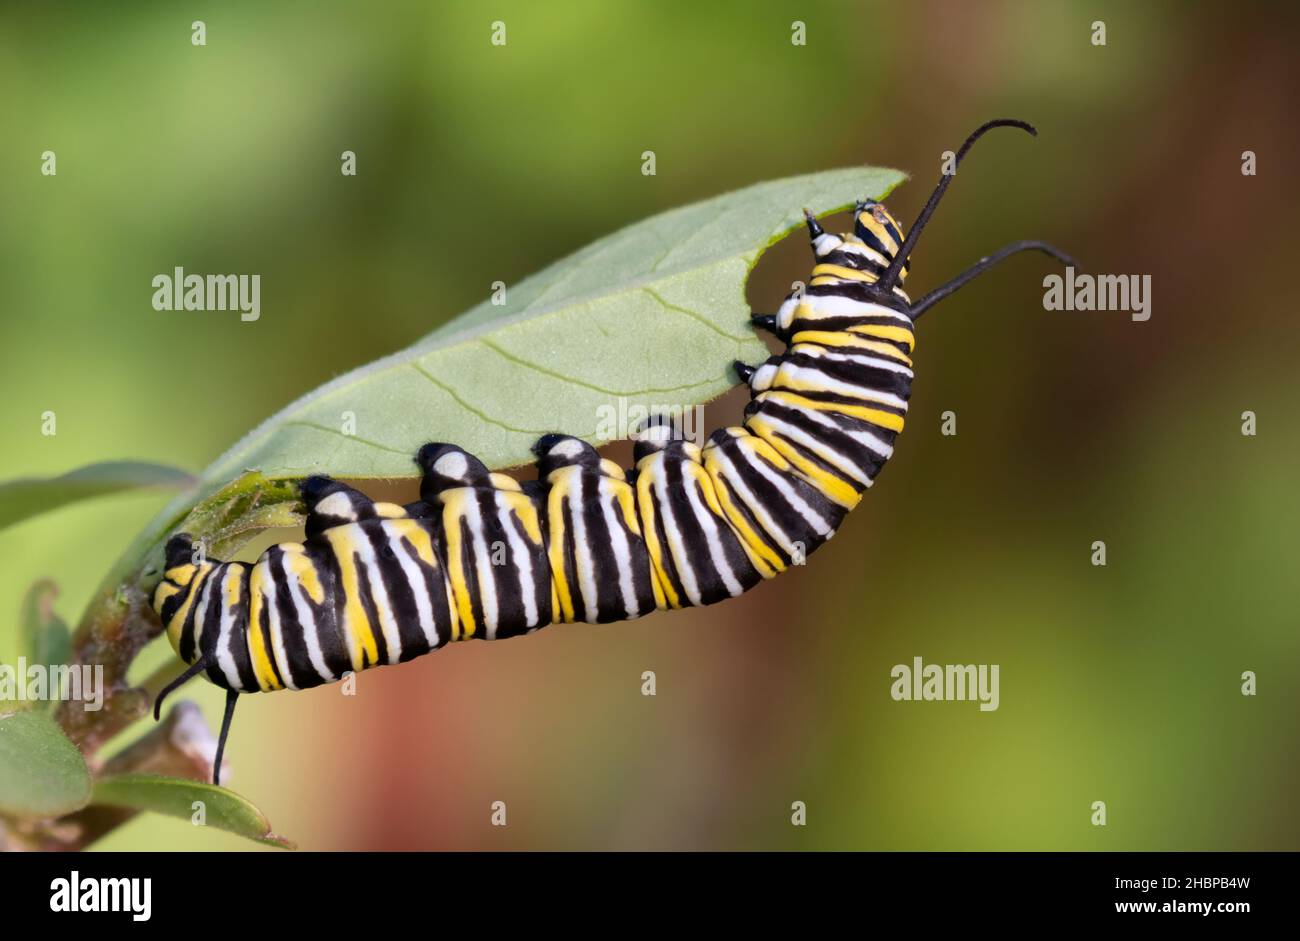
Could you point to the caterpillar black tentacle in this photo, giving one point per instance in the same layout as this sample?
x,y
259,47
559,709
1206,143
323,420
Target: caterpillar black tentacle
x,y
481,555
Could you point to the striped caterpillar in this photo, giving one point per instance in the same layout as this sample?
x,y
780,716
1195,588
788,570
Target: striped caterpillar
x,y
481,555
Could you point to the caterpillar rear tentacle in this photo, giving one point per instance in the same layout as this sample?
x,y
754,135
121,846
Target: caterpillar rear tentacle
x,y
481,555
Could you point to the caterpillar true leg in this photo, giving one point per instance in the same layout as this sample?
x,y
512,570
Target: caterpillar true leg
x,y
231,698
197,667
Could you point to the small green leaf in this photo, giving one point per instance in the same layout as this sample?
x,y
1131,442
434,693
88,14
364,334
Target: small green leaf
x,y
29,496
175,797
41,773
45,636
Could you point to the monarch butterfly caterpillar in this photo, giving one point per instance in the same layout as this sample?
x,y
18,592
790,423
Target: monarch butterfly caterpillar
x,y
481,555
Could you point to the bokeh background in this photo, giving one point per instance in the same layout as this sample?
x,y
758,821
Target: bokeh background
x,y
478,162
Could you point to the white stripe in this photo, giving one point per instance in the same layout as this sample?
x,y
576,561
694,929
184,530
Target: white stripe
x,y
673,535
225,659
836,305
819,522
866,251
826,453
307,619
415,578
200,613
818,351
482,567
523,560
620,545
387,623
273,621
823,382
732,480
865,438
710,527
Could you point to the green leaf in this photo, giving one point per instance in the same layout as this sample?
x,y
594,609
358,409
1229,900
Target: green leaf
x,y
28,496
44,637
653,314
175,797
41,773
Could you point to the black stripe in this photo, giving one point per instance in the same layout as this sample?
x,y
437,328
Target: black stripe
x,y
435,586
666,561
722,480
708,578
506,574
471,578
401,593
859,455
292,637
847,259
372,615
608,603
866,377
238,642
570,546
187,645
329,614
210,634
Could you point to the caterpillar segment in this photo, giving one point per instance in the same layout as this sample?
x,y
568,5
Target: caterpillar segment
x,y
482,556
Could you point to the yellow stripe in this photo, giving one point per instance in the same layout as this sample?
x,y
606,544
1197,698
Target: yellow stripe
x,y
831,485
874,415
840,273
526,510
181,574
847,340
262,669
887,332
795,384
358,632
453,511
233,588
417,536
302,568
760,553
665,595
627,504
879,231
178,619
164,591
504,482
561,482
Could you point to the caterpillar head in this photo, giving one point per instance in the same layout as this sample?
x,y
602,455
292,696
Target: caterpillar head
x,y
875,228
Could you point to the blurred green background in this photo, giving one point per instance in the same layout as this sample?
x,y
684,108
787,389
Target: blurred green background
x,y
478,163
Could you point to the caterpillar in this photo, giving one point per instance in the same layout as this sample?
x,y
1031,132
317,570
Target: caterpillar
x,y
481,555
